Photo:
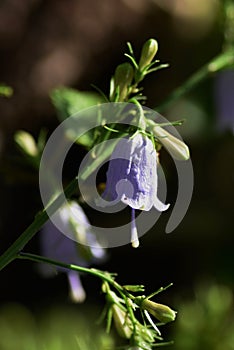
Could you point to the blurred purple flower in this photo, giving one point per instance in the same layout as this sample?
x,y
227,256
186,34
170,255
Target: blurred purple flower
x,y
132,177
224,99
55,245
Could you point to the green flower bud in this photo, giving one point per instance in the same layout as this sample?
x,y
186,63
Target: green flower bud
x,y
162,312
122,322
26,142
178,149
135,288
148,52
122,80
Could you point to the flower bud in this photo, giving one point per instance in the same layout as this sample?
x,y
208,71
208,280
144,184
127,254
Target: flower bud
x,y
148,52
122,79
134,288
176,147
122,322
26,142
162,312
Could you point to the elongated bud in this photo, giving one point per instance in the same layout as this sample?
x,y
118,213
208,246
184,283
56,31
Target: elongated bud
x,y
26,142
177,148
122,322
122,79
148,52
134,288
162,312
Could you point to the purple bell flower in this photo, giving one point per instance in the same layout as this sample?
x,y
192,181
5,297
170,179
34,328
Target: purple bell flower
x,y
132,177
57,246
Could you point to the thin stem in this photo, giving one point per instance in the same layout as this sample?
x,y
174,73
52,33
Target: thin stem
x,y
11,253
141,121
104,276
223,61
228,8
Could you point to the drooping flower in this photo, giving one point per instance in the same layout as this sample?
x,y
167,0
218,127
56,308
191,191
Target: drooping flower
x,y
55,245
132,177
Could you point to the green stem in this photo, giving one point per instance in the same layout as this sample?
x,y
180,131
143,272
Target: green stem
x,y
104,276
11,253
223,61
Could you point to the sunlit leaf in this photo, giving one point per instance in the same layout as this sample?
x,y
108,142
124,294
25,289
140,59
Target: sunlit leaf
x,y
68,102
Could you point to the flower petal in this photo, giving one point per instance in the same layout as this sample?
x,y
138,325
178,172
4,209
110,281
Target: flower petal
x,y
77,292
132,174
160,206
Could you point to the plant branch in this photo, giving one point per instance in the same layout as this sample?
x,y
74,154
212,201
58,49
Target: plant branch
x,y
104,276
223,61
11,253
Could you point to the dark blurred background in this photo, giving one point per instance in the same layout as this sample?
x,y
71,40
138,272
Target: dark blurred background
x,y
76,43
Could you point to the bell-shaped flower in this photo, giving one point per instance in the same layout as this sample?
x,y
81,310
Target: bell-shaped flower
x,y
55,245
132,177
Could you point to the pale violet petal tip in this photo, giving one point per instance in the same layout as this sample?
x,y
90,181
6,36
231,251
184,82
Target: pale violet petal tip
x,y
160,206
77,292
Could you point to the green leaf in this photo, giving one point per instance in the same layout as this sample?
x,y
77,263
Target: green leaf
x,y
68,102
